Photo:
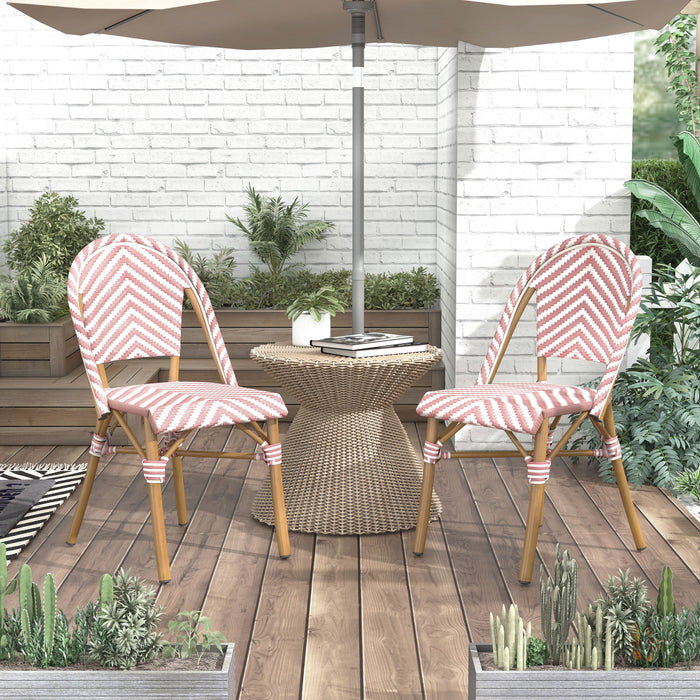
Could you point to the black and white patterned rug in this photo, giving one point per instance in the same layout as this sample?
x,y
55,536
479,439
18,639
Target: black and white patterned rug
x,y
65,478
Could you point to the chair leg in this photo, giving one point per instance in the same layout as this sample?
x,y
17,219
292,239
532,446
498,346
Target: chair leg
x,y
179,482
101,429
535,510
622,485
155,498
426,493
277,490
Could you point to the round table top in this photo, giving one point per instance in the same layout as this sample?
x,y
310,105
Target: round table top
x,y
310,356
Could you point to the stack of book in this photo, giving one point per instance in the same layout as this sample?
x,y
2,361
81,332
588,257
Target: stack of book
x,y
368,344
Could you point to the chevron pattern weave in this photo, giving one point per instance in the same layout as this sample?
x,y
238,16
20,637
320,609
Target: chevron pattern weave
x,y
132,291
172,406
517,407
588,294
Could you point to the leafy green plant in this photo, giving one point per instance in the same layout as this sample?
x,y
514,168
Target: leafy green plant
x,y
193,636
320,301
417,289
215,272
56,229
125,631
622,603
675,45
646,239
669,214
277,231
688,481
665,640
537,654
36,295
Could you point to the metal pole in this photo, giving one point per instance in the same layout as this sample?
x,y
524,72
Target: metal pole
x,y
358,9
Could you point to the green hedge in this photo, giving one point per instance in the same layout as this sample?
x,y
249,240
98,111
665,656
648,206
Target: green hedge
x,y
644,238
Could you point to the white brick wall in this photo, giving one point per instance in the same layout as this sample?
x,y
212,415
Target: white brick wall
x,y
544,147
475,159
162,140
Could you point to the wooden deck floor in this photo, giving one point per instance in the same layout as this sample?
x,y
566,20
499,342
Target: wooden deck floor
x,y
355,617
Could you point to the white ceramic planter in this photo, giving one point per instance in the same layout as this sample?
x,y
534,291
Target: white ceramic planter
x,y
305,328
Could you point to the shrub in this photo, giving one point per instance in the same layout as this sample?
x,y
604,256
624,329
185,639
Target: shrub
x,y
55,229
645,239
36,295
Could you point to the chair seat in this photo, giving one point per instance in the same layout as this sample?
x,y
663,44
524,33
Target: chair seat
x,y
186,405
517,407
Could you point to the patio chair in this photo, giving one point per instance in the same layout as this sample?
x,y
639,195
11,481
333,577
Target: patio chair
x,y
125,295
588,291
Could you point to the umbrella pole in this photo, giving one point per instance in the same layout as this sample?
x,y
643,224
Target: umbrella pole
x,y
358,9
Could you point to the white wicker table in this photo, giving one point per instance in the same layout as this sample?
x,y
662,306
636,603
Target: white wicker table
x,y
348,465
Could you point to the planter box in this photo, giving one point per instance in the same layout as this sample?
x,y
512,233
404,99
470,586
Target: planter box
x,y
617,684
38,349
243,330
121,684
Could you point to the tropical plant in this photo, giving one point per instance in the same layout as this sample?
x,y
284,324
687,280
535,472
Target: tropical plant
x,y
622,603
125,631
675,45
56,229
193,636
36,295
277,231
688,481
669,215
215,273
646,239
417,289
320,301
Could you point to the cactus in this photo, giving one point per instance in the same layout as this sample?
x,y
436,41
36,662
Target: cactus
x,y
609,652
26,599
664,602
558,600
49,614
106,591
509,640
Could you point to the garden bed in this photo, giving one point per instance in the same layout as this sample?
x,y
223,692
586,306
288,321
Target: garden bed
x,y
38,349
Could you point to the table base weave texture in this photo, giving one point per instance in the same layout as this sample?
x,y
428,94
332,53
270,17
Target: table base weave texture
x,y
335,484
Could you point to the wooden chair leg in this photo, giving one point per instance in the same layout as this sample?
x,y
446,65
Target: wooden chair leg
x,y
179,482
623,485
277,490
426,493
86,489
535,510
155,498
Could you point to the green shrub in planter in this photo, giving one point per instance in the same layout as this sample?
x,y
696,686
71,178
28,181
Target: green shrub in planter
x,y
56,229
36,294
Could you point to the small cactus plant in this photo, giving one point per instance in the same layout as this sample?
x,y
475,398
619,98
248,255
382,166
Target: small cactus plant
x,y
558,601
665,604
509,639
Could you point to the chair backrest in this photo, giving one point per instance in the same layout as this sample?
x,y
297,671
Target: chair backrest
x,y
588,291
125,296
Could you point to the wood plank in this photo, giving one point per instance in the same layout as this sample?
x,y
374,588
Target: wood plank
x,y
275,658
389,655
332,658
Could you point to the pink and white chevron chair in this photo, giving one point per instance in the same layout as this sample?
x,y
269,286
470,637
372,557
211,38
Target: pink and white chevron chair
x,y
125,295
587,297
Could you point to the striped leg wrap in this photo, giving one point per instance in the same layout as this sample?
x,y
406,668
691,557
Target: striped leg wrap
x,y
538,472
154,470
100,446
611,448
433,452
271,454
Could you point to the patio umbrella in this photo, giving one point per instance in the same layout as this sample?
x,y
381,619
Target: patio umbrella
x,y
268,24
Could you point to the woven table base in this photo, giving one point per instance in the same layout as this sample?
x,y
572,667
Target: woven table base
x,y
348,473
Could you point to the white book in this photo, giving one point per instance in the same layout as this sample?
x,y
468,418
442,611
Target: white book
x,y
363,340
376,352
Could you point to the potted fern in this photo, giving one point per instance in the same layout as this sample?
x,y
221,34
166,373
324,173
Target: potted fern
x,y
311,313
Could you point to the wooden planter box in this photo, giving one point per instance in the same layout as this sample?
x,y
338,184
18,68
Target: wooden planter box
x,y
128,685
38,349
243,330
668,684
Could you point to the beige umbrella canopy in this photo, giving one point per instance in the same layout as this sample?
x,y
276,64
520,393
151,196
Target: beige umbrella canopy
x,y
279,24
